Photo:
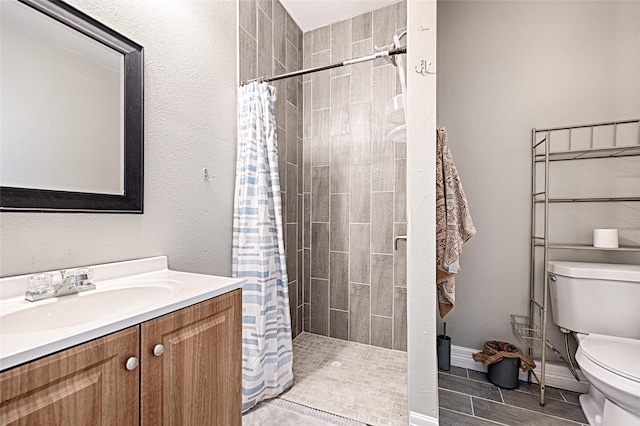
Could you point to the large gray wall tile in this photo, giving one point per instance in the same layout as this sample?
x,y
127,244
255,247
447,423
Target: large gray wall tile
x,y
321,39
382,222
248,59
307,162
319,307
306,317
299,278
320,250
321,140
382,285
306,114
320,92
339,280
291,207
339,222
400,209
360,190
279,29
292,31
292,65
267,7
291,251
306,224
293,308
247,16
361,74
400,318
320,194
306,276
307,54
382,149
340,106
359,315
401,14
339,324
361,27
265,44
340,165
359,259
381,331
361,132
340,45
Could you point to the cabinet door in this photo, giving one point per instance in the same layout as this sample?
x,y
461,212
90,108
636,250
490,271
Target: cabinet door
x,y
197,379
84,385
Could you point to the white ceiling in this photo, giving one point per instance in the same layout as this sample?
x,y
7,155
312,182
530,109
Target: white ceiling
x,y
312,14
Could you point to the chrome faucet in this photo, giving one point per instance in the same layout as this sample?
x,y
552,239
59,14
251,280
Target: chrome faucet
x,y
78,281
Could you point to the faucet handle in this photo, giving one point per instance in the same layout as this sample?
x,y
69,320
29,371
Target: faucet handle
x,y
40,283
82,277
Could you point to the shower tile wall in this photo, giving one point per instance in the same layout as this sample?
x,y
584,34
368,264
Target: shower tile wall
x,y
271,43
343,182
353,186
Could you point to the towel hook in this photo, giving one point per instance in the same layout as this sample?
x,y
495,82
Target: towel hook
x,y
206,176
424,68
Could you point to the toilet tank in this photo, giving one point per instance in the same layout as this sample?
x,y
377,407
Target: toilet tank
x,y
601,298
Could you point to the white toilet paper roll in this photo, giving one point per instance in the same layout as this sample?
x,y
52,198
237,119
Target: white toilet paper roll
x,y
605,238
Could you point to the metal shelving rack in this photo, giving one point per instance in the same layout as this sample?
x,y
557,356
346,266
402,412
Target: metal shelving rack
x,y
530,332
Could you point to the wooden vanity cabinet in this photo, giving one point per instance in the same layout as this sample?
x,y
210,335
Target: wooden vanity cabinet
x,y
84,385
195,379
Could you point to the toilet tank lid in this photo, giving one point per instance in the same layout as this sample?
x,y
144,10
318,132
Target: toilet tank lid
x,y
607,271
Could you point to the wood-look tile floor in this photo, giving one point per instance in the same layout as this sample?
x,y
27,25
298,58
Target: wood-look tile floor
x,y
369,384
467,398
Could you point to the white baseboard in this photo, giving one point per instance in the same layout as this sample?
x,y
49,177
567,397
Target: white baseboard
x,y
417,419
557,375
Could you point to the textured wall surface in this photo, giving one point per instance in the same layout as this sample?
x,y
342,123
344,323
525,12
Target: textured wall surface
x,y
190,123
271,43
421,199
498,77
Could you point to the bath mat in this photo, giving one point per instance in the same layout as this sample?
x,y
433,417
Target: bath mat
x,y
280,412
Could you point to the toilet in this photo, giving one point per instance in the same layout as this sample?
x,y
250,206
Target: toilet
x,y
601,303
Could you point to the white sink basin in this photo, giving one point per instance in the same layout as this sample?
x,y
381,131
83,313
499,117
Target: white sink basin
x,y
127,294
95,305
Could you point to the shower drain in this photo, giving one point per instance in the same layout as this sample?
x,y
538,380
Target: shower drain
x,y
336,364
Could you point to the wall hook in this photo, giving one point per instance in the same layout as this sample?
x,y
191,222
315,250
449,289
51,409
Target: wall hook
x,y
206,176
424,68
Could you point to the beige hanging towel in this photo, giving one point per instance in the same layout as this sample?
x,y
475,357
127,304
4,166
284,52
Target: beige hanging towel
x,y
453,223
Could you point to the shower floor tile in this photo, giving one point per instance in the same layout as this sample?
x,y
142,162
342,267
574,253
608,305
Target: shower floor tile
x,y
369,384
361,382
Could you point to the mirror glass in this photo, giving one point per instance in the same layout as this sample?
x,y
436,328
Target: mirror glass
x,y
71,111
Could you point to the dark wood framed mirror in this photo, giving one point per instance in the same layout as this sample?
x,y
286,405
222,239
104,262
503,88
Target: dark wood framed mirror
x,y
72,112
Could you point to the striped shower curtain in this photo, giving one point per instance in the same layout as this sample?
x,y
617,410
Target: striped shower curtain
x,y
258,250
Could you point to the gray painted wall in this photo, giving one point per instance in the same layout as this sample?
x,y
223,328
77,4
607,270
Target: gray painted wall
x,y
190,124
503,68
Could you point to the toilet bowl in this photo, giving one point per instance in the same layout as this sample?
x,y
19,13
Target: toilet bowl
x,y
599,302
612,366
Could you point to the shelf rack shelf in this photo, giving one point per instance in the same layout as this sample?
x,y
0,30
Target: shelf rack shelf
x,y
531,330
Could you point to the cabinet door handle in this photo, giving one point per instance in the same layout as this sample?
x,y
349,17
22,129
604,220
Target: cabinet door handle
x,y
158,350
132,363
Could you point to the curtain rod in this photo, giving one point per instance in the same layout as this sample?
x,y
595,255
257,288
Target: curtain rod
x,y
382,54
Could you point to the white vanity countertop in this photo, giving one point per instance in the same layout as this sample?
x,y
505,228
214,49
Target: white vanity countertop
x,y
183,289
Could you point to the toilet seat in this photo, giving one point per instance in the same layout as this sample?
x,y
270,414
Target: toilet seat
x,y
619,355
